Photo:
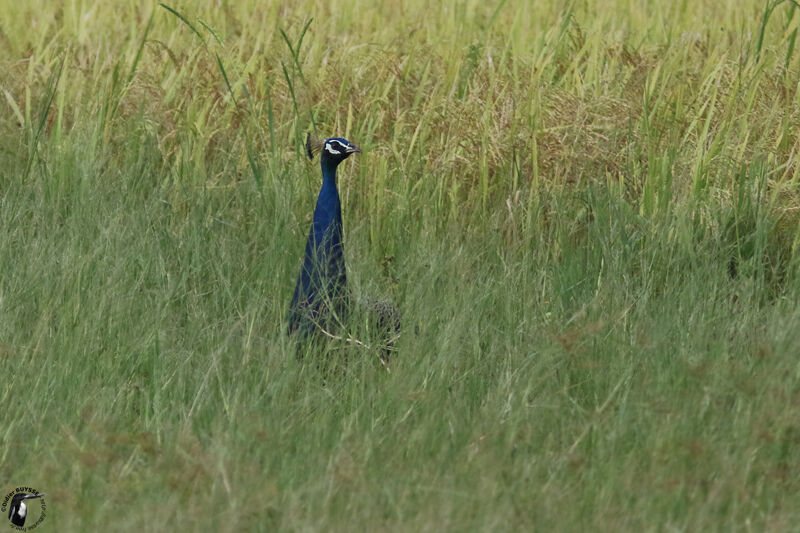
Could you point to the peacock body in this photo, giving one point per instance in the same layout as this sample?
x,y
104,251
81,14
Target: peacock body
x,y
321,299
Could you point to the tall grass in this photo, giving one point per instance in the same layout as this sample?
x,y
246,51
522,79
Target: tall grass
x,y
586,212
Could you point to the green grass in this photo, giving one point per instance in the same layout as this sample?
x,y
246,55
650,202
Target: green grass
x,y
556,197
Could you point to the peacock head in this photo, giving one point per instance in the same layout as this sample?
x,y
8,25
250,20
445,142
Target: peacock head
x,y
333,150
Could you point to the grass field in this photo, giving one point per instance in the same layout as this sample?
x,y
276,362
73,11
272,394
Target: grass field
x,y
588,215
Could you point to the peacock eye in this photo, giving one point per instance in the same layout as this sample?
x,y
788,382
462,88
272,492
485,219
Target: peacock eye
x,y
330,148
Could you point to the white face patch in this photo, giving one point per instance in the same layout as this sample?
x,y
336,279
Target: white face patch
x,y
23,510
329,149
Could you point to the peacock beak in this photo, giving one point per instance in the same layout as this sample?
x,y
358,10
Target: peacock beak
x,y
353,149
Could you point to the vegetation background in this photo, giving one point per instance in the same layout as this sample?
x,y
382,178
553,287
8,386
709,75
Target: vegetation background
x,y
587,212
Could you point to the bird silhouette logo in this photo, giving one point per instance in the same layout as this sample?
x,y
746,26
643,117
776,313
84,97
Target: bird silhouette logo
x,y
20,511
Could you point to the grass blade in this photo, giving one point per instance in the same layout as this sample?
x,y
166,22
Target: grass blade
x,y
47,102
185,21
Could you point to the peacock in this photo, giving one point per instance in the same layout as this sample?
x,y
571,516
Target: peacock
x,y
322,300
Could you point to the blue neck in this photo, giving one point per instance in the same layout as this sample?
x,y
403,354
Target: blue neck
x,y
322,283
326,228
